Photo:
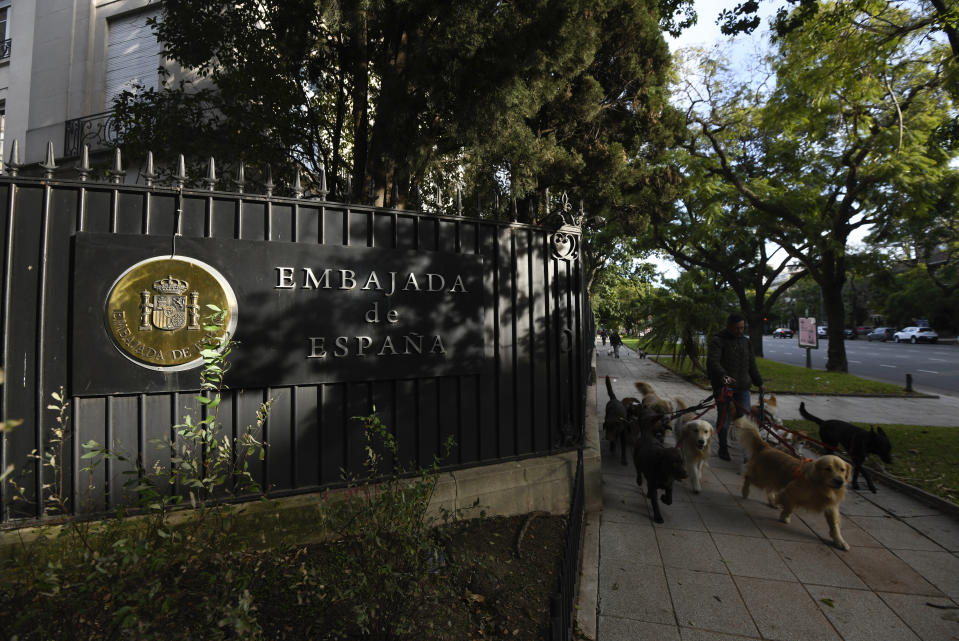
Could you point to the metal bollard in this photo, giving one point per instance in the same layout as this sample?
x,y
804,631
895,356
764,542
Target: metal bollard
x,y
908,382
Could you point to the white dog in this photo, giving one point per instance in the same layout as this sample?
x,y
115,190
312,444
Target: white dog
x,y
693,442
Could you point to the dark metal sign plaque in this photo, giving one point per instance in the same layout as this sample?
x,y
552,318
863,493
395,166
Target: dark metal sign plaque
x,y
304,313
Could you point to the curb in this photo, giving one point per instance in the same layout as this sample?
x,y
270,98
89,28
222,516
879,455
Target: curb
x,y
932,500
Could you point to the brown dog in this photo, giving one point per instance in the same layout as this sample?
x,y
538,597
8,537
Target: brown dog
x,y
816,485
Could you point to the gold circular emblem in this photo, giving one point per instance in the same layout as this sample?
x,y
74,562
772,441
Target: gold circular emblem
x,y
156,310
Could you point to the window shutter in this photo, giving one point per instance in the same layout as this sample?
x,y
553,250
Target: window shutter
x,y
133,56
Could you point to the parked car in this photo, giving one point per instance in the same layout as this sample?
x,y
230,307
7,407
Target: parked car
x,y
863,330
881,334
849,333
822,331
782,332
916,335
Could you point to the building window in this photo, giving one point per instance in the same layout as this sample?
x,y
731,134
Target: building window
x,y
5,42
133,58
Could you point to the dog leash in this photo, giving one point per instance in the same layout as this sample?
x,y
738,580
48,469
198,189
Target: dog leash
x,y
797,473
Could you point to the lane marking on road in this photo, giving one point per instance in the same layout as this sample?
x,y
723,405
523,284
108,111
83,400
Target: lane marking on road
x,y
855,362
939,360
928,371
890,366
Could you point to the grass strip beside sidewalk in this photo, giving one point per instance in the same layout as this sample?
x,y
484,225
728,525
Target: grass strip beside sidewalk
x,y
925,456
789,379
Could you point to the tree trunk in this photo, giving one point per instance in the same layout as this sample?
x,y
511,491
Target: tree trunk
x,y
754,321
361,94
836,318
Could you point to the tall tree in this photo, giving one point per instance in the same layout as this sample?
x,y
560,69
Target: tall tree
x,y
510,98
852,118
705,233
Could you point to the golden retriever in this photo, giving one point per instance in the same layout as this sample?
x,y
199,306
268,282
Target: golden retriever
x,y
643,388
816,485
693,440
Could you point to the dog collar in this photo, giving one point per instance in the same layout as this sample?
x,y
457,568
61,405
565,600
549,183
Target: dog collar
x,y
798,471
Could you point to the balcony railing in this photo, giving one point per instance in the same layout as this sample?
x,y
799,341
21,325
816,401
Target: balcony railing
x,y
5,49
98,131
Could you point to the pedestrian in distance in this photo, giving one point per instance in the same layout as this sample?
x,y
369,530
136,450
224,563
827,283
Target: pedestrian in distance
x,y
602,335
615,341
732,370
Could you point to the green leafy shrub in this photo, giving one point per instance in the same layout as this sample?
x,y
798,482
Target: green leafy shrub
x,y
134,577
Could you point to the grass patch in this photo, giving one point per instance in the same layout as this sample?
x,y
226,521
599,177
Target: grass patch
x,y
789,379
637,344
925,456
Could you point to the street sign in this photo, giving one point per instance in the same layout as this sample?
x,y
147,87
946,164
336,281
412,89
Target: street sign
x,y
807,333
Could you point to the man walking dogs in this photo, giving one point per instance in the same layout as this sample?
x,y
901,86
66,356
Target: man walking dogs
x,y
731,366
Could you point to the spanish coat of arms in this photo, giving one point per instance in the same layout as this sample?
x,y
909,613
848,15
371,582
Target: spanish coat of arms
x,y
169,309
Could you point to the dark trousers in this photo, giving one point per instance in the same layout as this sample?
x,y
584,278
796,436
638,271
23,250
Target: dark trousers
x,y
729,410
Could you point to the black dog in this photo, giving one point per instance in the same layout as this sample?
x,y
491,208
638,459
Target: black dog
x,y
616,424
661,466
857,442
652,423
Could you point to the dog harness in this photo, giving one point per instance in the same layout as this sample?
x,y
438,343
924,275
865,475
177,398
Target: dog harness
x,y
798,471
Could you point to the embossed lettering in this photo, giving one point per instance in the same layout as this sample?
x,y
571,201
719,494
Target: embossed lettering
x,y
411,281
362,343
284,278
310,281
372,279
387,344
458,286
415,341
434,286
347,276
317,347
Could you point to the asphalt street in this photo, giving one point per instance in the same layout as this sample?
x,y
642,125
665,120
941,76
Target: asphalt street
x,y
934,367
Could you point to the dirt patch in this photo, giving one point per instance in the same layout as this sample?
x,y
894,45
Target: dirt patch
x,y
493,581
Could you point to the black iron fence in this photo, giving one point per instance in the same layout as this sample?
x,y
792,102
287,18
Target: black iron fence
x,y
522,394
563,601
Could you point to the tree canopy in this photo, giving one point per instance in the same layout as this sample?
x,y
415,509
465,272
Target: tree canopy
x,y
505,98
846,125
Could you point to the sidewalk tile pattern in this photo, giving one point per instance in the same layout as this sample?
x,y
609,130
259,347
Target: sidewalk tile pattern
x,y
724,568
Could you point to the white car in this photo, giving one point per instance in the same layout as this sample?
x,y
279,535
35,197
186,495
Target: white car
x,y
916,335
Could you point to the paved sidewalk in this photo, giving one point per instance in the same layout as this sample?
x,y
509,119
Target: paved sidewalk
x,y
722,567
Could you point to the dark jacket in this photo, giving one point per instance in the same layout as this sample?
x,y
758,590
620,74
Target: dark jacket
x,y
731,355
614,339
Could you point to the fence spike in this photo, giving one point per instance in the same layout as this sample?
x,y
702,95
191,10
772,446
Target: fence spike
x,y
210,180
515,210
323,189
459,201
13,165
240,180
297,185
49,164
180,177
371,194
117,172
439,199
546,199
395,194
349,187
496,205
84,168
268,180
149,175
